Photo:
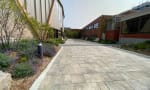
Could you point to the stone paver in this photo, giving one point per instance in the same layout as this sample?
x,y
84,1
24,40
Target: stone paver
x,y
84,65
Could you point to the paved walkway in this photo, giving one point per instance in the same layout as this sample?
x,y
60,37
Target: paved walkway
x,y
84,65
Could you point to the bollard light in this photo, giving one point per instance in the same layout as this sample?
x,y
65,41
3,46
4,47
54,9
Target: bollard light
x,y
40,50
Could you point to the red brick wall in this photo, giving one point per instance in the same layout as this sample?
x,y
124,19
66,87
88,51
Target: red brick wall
x,y
112,35
94,32
89,33
140,35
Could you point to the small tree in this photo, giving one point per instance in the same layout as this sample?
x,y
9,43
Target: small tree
x,y
45,32
12,23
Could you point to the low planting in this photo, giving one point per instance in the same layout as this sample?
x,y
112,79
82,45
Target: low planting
x,y
72,34
139,46
107,42
55,41
22,70
49,50
22,61
91,38
28,48
143,47
5,61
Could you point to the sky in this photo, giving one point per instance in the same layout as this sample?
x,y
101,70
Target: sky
x,y
79,13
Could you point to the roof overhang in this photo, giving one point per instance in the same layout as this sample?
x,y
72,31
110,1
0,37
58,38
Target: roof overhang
x,y
135,14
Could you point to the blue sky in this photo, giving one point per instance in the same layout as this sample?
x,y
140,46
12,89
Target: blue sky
x,y
78,13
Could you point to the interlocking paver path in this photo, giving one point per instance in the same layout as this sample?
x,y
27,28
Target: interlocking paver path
x,y
84,65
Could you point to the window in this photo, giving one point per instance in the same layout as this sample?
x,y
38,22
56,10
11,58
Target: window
x,y
137,25
147,6
90,27
96,25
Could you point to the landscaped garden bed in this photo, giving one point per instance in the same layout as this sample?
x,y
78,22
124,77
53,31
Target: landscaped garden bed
x,y
143,48
107,42
19,56
24,63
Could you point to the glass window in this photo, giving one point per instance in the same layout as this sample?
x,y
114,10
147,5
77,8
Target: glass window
x,y
96,25
137,25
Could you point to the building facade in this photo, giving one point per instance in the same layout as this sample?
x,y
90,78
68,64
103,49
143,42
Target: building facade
x,y
93,29
132,26
105,27
135,27
46,11
112,28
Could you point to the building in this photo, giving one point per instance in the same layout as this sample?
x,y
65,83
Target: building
x,y
105,27
135,27
93,29
46,11
142,6
131,26
112,29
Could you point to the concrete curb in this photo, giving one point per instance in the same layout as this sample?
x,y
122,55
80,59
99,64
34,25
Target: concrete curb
x,y
38,81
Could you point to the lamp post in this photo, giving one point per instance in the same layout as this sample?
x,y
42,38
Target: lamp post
x,y
40,50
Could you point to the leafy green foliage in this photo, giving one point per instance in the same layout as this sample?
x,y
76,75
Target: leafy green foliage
x,y
4,61
10,16
22,70
42,31
23,59
49,50
107,42
139,46
72,34
28,48
147,42
34,24
56,41
45,32
92,38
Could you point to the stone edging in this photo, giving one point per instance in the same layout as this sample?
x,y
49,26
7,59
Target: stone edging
x,y
38,81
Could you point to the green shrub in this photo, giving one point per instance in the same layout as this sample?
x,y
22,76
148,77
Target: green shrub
x,y
4,61
59,40
56,41
23,59
72,34
22,70
140,46
107,42
50,32
49,50
53,41
91,38
147,42
28,48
